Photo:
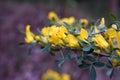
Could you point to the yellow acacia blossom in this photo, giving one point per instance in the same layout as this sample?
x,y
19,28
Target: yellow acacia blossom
x,y
110,35
29,35
54,34
52,16
114,26
113,38
83,35
100,41
62,32
102,23
84,21
115,62
118,38
71,41
118,43
69,20
65,76
51,75
96,30
37,37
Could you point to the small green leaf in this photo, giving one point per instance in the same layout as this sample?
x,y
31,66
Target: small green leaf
x,y
82,42
86,48
22,32
116,49
92,73
108,65
95,47
112,16
46,48
29,50
60,61
90,58
84,66
79,60
110,72
33,44
60,64
118,24
98,64
67,25
22,43
68,57
52,53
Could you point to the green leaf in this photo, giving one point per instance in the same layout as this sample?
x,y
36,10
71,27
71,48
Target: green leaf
x,y
112,16
95,47
99,64
108,65
60,64
86,48
68,57
22,43
118,24
33,44
52,52
82,42
67,25
90,58
79,60
29,50
93,73
60,61
84,66
22,32
116,49
46,48
110,72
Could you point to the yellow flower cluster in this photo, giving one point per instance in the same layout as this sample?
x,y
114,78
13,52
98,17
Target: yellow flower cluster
x,y
68,32
53,75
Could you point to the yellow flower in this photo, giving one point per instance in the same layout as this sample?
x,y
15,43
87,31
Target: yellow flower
x,y
52,16
69,20
84,21
114,26
97,51
54,34
96,30
29,35
65,77
111,35
83,35
100,41
118,38
102,23
45,31
38,38
51,75
44,39
62,32
115,62
117,52
71,41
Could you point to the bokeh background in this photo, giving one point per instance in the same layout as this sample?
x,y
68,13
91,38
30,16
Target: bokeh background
x,y
15,63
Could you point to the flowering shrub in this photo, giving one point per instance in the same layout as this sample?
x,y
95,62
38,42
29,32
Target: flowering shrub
x,y
94,44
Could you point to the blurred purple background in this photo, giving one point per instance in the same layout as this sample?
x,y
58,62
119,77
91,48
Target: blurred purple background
x,y
15,63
